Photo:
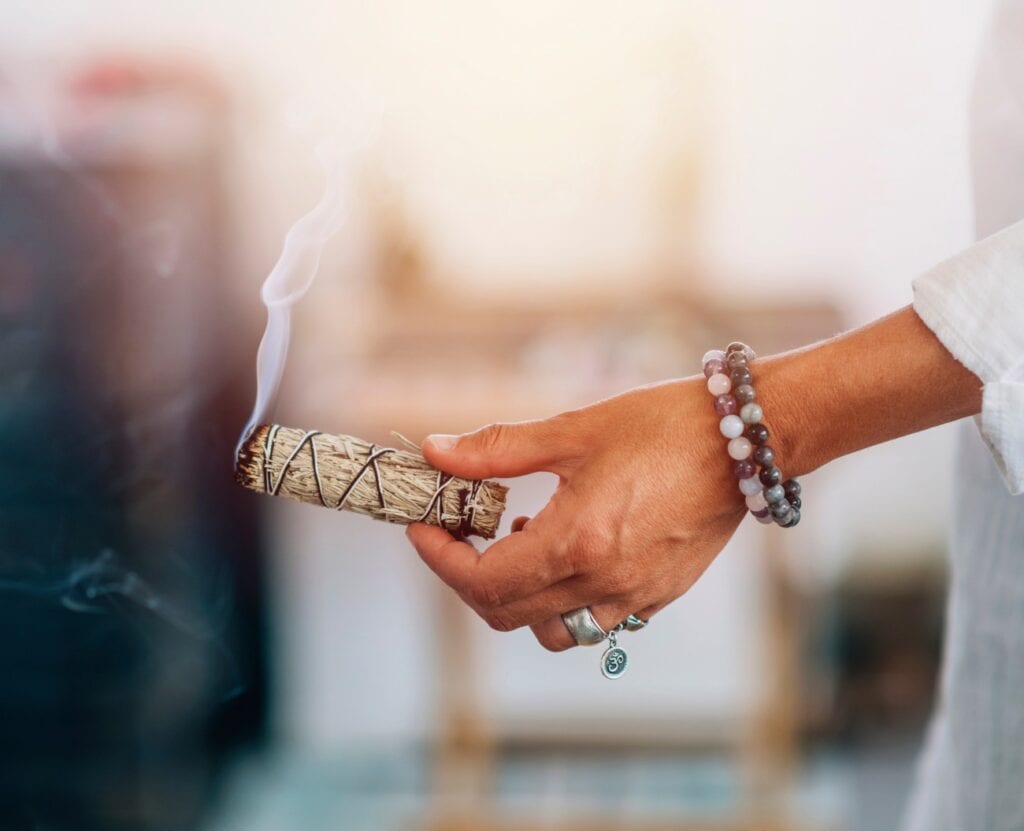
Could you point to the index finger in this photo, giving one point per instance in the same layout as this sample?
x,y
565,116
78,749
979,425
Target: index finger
x,y
514,567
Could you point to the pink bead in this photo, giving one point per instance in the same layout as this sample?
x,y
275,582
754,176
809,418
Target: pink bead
x,y
719,384
751,486
740,447
756,502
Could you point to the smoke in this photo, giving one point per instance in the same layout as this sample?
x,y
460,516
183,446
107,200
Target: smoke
x,y
89,584
291,278
98,586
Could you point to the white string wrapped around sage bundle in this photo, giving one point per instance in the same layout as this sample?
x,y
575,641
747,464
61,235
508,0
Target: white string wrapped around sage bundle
x,y
345,473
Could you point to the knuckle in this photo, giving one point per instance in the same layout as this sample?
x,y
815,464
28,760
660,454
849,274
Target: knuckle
x,y
569,431
500,621
485,596
492,437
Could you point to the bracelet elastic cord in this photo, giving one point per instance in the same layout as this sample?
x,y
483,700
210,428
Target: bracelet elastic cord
x,y
730,381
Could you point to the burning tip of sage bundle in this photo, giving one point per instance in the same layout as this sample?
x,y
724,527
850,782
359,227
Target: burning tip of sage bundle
x,y
346,473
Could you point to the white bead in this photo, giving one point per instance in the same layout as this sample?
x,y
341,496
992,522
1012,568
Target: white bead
x,y
740,448
731,426
756,502
751,413
748,487
713,355
719,384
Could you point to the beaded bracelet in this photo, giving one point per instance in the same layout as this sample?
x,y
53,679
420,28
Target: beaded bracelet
x,y
730,381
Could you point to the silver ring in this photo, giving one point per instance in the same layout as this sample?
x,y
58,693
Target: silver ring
x,y
634,623
583,627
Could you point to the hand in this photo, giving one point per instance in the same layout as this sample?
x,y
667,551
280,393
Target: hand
x,y
645,501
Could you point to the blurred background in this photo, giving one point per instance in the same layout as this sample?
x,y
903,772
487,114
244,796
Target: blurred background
x,y
549,203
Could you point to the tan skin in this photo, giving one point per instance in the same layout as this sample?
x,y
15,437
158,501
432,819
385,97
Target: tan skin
x,y
646,496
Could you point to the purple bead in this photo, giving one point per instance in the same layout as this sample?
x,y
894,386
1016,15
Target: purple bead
x,y
714,367
757,433
726,405
744,469
769,475
794,501
762,513
792,487
764,456
764,520
713,355
744,394
740,376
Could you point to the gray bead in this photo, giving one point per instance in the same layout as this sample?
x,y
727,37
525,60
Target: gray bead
x,y
744,393
757,433
764,456
736,360
780,509
751,413
770,475
792,518
774,495
740,376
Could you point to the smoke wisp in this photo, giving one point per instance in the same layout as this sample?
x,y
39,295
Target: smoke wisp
x,y
291,278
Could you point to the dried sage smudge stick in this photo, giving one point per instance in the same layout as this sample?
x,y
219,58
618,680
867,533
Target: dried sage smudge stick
x,y
346,473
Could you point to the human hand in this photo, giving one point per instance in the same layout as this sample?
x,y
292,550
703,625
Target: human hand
x,y
645,501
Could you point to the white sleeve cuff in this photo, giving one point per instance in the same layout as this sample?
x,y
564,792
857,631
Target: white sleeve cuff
x,y
974,303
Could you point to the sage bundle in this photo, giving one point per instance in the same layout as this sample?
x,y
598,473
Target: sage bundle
x,y
345,473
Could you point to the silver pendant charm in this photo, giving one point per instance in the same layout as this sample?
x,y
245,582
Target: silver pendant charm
x,y
614,660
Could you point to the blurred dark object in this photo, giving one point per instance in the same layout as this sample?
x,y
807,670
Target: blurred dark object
x,y
121,394
879,639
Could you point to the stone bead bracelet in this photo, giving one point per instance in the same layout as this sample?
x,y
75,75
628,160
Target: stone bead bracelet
x,y
731,382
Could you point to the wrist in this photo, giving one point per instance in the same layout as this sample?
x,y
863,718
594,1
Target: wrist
x,y
782,382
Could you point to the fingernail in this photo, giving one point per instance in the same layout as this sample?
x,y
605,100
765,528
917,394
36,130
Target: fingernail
x,y
442,441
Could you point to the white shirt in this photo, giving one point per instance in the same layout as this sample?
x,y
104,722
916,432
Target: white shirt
x,y
971,774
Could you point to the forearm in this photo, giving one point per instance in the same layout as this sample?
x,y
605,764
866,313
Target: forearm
x,y
885,380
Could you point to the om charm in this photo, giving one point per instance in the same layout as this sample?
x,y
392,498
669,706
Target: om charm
x,y
614,660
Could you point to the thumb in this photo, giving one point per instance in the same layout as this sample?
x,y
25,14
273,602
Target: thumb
x,y
511,449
